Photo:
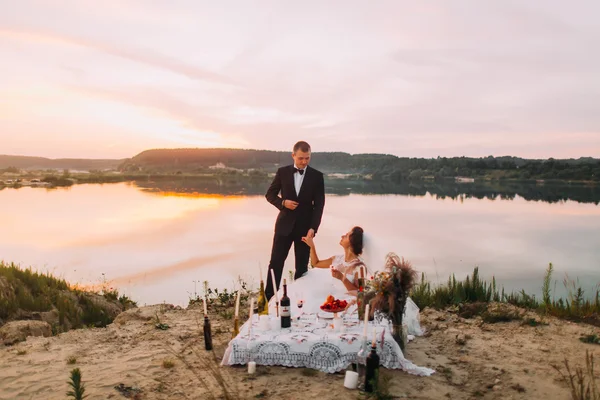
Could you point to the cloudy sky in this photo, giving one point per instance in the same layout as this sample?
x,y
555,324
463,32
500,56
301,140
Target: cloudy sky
x,y
413,78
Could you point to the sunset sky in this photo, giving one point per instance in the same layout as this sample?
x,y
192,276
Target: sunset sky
x,y
412,78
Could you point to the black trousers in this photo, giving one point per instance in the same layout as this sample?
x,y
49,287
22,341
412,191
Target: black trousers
x,y
279,252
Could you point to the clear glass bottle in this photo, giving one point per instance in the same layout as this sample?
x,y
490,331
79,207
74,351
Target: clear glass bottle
x,y
361,362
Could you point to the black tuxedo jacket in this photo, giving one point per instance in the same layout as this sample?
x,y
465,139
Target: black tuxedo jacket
x,y
311,200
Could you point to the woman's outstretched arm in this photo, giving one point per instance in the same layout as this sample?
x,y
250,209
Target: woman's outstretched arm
x,y
314,258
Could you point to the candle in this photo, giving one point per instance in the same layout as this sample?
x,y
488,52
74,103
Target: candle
x,y
351,380
204,297
259,270
237,304
374,337
251,367
250,319
362,272
366,320
274,286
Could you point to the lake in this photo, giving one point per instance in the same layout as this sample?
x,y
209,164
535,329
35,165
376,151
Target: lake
x,y
158,241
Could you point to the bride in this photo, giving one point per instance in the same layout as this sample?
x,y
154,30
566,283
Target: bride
x,y
312,289
344,267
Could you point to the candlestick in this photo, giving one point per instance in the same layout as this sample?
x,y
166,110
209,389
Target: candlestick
x,y
260,270
236,327
237,304
250,320
275,293
251,310
273,282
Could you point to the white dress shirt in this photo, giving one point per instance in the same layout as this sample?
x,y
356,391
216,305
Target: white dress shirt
x,y
298,179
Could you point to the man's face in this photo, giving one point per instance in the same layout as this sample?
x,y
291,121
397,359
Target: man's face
x,y
301,158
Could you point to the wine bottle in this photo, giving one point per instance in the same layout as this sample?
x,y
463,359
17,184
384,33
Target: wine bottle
x,y
361,363
207,334
262,304
372,370
286,317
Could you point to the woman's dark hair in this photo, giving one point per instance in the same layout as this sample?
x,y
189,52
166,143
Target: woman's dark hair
x,y
356,240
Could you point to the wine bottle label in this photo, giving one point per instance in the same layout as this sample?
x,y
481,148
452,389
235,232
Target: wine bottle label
x,y
285,311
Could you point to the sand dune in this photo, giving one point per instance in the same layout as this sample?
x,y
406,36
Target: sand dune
x,y
499,361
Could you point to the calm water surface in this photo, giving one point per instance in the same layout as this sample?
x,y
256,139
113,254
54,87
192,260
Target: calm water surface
x,y
158,246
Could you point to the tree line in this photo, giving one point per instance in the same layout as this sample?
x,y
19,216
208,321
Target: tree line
x,y
379,166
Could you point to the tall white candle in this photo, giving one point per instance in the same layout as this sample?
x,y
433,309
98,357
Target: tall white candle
x,y
274,286
251,313
204,298
366,320
237,305
260,270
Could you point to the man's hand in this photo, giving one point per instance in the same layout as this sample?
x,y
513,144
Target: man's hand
x,y
290,204
310,233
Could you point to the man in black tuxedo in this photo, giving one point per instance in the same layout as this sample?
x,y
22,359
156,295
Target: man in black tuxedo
x,y
298,191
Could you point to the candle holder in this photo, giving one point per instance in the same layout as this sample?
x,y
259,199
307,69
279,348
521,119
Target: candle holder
x,y
236,327
249,351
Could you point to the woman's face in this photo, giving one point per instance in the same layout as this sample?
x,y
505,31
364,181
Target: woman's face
x,y
345,241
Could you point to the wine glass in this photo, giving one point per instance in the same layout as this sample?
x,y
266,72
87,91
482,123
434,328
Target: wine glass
x,y
300,303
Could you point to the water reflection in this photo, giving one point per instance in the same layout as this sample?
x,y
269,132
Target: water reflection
x,y
152,240
501,190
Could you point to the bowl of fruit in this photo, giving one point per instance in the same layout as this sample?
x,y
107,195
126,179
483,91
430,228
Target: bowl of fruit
x,y
333,305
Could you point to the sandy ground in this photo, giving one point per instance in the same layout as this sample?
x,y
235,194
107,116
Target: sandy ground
x,y
473,360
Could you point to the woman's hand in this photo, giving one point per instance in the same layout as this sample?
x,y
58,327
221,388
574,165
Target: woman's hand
x,y
337,274
309,241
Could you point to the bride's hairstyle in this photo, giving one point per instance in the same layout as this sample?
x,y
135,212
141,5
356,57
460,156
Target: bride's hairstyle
x,y
356,240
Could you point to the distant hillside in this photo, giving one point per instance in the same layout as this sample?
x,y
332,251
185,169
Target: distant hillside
x,y
199,159
25,162
381,166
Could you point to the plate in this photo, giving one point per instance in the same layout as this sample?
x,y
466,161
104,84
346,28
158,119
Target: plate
x,y
325,315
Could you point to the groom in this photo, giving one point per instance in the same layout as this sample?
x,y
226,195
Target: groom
x,y
298,191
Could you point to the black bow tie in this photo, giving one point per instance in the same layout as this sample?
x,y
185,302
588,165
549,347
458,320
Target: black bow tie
x,y
300,171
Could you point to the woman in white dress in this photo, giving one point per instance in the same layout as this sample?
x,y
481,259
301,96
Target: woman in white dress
x,y
344,267
312,289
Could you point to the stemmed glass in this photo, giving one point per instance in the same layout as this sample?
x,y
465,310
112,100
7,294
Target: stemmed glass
x,y
300,303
